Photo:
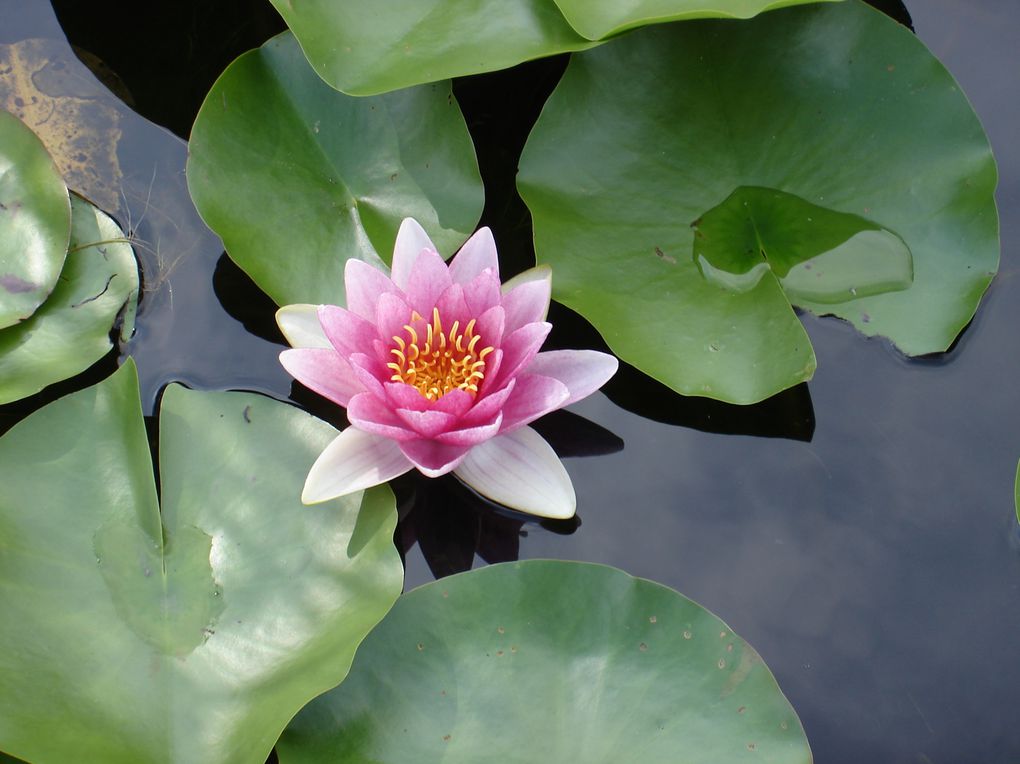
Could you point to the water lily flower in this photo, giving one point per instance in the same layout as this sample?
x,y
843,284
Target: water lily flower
x,y
440,370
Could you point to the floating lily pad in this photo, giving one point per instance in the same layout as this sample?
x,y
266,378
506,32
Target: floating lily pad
x,y
1016,492
190,634
834,103
71,330
596,19
35,221
298,178
364,48
549,661
816,253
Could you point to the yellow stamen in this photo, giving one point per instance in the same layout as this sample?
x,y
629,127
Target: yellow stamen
x,y
445,361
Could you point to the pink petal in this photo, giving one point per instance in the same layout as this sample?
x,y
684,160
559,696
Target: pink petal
x,y
324,371
392,312
490,327
529,302
486,407
428,280
477,254
582,371
367,413
453,307
492,363
520,348
482,292
427,424
455,402
354,461
534,396
300,326
471,436
404,396
348,332
370,373
411,241
364,284
433,459
521,471
537,273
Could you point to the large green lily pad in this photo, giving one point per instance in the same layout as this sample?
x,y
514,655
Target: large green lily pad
x,y
189,634
363,47
298,178
596,19
549,661
35,221
71,330
834,103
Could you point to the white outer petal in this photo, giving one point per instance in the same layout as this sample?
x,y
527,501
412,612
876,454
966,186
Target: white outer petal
x,y
411,240
521,471
537,273
354,461
300,325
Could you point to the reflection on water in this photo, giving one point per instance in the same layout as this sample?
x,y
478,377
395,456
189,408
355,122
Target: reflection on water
x,y
868,547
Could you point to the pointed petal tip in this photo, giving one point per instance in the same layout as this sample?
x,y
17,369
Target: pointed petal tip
x,y
521,471
300,326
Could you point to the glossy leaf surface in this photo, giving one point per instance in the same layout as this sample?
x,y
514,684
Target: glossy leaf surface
x,y
816,253
35,221
297,178
834,103
596,19
364,48
194,633
549,661
71,330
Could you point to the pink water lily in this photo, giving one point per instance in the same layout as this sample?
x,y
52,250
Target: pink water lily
x,y
439,368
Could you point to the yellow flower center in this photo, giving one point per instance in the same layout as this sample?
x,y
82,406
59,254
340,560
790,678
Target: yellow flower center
x,y
440,361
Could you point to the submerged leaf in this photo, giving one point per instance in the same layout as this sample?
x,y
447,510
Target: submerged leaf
x,y
71,330
188,632
549,661
298,178
816,253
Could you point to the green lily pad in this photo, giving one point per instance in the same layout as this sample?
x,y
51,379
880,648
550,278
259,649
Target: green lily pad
x,y
35,221
190,634
816,253
1016,492
548,661
644,135
364,48
71,330
297,178
596,19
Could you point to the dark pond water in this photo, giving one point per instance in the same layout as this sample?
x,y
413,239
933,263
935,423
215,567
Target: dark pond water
x,y
859,530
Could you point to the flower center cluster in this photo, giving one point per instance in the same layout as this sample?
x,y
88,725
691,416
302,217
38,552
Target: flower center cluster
x,y
439,361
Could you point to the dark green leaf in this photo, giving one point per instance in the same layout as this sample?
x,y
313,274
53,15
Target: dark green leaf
x,y
596,19
816,253
835,103
364,48
298,178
